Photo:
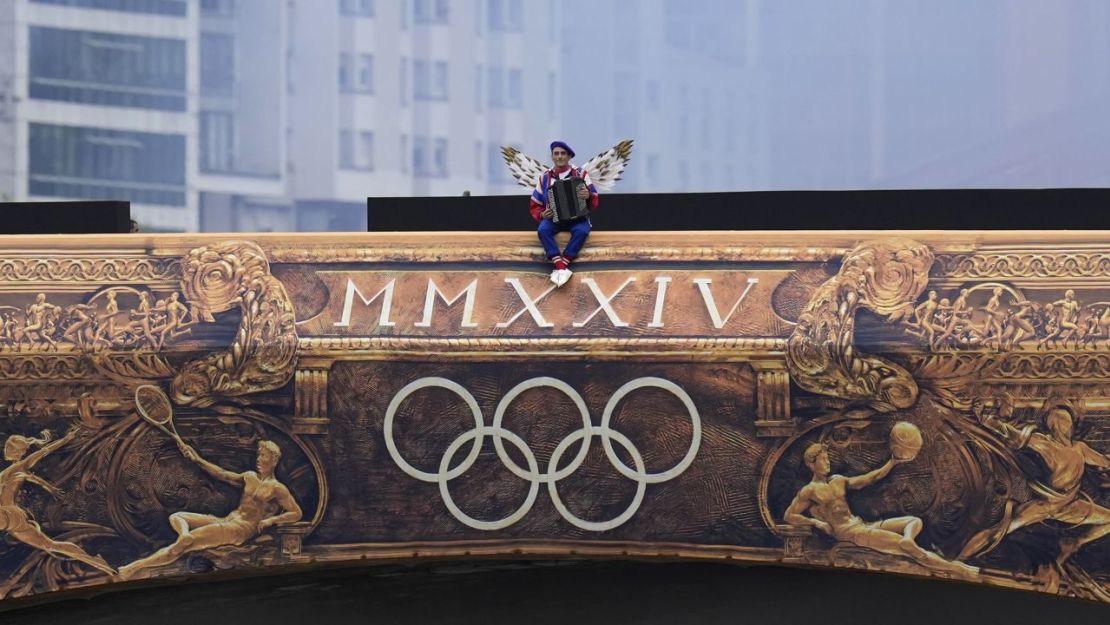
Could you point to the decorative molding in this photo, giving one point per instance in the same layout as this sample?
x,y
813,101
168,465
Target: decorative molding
x,y
741,349
881,276
264,352
45,367
1011,265
114,269
619,252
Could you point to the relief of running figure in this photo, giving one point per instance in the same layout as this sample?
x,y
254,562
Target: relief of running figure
x,y
1005,325
86,326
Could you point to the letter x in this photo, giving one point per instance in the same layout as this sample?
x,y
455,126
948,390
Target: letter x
x,y
529,305
604,300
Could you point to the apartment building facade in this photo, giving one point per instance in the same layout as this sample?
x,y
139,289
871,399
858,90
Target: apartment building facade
x,y
97,104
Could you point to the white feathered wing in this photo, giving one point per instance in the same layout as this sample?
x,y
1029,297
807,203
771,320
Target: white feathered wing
x,y
524,168
606,168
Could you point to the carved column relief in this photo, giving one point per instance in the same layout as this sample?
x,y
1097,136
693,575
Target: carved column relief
x,y
310,411
772,403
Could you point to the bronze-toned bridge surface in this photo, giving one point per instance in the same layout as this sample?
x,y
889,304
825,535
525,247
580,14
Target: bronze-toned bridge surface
x,y
923,403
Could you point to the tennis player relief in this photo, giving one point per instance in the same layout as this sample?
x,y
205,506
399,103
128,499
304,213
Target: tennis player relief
x,y
226,405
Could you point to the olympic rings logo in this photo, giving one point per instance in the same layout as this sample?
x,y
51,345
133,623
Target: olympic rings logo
x,y
532,473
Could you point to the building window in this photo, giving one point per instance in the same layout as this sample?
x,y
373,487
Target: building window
x,y
429,11
420,165
217,64
346,149
366,73
107,69
404,160
507,16
496,87
217,141
100,164
356,8
177,8
354,79
222,8
366,149
345,69
515,91
439,158
356,150
429,80
429,157
506,88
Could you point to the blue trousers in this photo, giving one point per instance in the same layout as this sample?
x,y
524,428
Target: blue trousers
x,y
579,231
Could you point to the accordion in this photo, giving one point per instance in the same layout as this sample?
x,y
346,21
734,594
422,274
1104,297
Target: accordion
x,y
563,200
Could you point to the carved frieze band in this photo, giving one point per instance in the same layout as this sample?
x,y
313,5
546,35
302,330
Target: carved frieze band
x,y
1009,265
97,269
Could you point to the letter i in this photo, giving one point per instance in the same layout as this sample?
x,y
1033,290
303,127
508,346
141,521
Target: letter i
x,y
660,295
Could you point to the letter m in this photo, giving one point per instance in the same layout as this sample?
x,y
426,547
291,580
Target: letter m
x,y
386,293
430,302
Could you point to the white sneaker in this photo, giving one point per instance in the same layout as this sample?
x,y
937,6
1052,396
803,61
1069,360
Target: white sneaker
x,y
555,277
563,277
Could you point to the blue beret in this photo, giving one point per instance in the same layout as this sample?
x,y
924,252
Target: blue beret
x,y
562,144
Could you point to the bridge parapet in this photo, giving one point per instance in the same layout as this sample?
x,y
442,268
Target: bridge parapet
x,y
924,403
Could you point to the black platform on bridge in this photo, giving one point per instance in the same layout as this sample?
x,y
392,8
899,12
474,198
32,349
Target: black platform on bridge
x,y
940,209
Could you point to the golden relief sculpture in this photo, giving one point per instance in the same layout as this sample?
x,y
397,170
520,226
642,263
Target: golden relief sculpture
x,y
263,352
825,499
264,502
935,405
17,522
880,277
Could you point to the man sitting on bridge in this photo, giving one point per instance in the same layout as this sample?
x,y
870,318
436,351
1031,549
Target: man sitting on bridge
x,y
561,153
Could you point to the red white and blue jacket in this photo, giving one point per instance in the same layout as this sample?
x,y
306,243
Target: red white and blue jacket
x,y
539,194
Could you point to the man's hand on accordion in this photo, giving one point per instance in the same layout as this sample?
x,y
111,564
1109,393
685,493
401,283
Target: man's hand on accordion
x,y
584,193
548,213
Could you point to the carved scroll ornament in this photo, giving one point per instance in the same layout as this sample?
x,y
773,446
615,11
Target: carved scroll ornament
x,y
883,277
263,353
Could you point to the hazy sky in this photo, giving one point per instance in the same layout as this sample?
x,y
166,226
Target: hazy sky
x,y
862,93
